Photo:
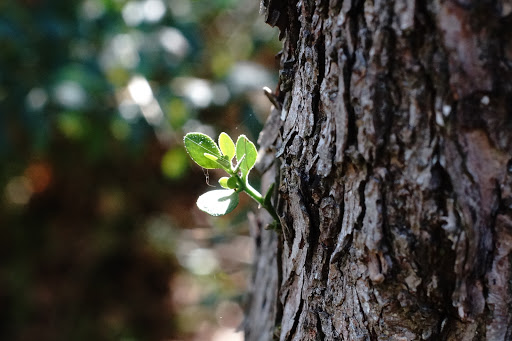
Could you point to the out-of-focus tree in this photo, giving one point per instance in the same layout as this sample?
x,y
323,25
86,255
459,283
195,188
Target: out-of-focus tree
x,y
95,186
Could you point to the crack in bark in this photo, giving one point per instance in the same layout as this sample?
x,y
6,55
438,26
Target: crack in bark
x,y
319,327
360,218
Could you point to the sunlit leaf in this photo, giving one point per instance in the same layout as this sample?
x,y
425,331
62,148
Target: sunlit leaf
x,y
229,183
224,182
232,183
227,146
218,202
247,148
197,144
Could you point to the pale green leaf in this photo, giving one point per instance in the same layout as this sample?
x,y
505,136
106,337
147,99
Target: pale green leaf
x,y
229,183
218,202
247,148
227,146
224,182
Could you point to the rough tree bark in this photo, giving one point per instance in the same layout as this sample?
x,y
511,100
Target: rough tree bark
x,y
391,148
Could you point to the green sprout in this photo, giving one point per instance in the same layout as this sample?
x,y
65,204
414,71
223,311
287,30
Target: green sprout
x,y
237,160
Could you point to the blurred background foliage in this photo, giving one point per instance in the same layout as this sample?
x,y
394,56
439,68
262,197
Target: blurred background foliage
x,y
100,238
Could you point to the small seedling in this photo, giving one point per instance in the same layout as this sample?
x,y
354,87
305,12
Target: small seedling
x,y
237,160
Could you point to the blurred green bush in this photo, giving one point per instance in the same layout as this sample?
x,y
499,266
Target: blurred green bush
x,y
95,187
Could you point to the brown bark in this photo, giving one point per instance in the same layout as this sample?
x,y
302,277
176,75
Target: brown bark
x,y
393,154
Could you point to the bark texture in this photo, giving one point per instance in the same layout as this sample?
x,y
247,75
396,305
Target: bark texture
x,y
392,149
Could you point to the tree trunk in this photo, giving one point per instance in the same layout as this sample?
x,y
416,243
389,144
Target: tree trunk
x,y
391,146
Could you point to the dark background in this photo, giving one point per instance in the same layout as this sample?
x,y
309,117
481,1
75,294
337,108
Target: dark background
x,y
100,238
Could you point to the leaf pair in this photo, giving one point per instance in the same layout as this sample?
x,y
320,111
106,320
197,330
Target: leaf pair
x,y
207,154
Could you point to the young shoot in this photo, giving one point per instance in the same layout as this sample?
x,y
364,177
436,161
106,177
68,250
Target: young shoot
x,y
236,160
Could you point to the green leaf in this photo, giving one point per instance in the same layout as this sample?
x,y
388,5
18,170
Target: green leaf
x,y
229,183
197,145
224,182
247,148
218,202
232,183
227,146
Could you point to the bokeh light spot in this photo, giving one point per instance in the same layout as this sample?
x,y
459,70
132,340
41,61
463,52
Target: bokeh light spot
x,y
36,99
201,261
177,112
174,163
128,110
120,129
229,314
71,124
180,8
140,90
70,94
40,175
121,50
133,13
18,190
154,10
197,91
227,334
174,42
92,9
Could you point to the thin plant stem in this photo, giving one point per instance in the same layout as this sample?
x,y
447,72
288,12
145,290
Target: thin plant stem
x,y
253,193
